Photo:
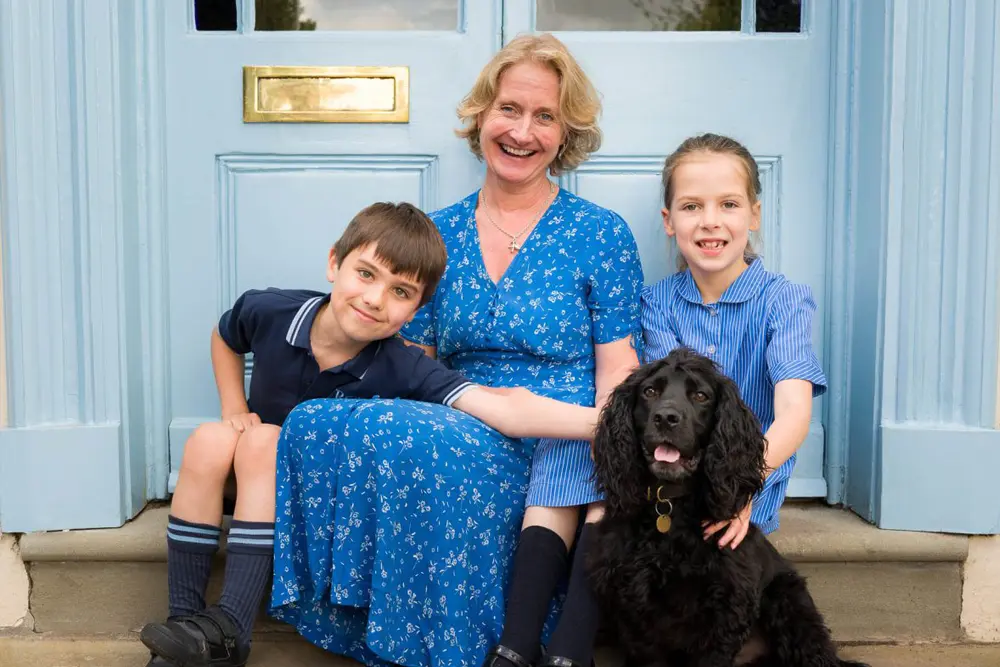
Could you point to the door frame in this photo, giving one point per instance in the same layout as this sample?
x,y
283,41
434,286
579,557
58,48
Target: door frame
x,y
841,235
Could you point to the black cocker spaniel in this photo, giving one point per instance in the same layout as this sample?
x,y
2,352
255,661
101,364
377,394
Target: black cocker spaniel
x,y
676,447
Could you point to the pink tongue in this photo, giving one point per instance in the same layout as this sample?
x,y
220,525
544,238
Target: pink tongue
x,y
666,453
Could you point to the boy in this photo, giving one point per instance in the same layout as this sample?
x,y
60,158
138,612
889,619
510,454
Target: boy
x,y
308,345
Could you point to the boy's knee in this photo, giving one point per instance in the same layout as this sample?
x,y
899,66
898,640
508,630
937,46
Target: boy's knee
x,y
210,449
257,450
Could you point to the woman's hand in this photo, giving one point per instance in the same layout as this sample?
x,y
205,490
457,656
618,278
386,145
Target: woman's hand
x,y
242,421
736,531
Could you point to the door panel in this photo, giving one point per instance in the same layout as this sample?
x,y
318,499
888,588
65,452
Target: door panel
x,y
260,204
665,75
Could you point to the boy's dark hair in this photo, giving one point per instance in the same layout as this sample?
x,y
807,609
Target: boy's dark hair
x,y
405,238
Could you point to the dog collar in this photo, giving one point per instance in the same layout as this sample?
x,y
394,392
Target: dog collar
x,y
662,505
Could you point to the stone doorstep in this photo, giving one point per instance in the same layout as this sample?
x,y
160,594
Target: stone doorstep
x,y
871,585
810,533
62,651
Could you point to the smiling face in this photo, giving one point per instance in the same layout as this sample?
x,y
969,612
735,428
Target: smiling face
x,y
675,413
521,132
711,214
368,300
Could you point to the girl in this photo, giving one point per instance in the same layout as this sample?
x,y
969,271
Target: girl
x,y
755,324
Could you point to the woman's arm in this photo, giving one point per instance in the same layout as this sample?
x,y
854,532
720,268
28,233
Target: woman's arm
x,y
518,413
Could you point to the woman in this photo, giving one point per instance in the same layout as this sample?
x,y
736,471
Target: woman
x,y
397,521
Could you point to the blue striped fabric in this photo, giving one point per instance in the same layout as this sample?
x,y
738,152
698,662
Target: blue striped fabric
x,y
759,332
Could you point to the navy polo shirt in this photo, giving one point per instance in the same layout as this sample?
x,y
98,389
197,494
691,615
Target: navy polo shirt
x,y
274,325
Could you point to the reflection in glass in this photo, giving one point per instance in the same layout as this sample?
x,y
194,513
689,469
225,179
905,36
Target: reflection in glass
x,y
779,15
356,14
637,15
215,15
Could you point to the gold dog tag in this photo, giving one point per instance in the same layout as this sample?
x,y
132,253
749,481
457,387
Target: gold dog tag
x,y
663,523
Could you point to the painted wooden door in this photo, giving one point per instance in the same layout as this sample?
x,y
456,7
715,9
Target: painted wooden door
x,y
258,204
252,205
757,70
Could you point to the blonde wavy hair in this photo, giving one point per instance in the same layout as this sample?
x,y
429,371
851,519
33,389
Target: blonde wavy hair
x,y
579,103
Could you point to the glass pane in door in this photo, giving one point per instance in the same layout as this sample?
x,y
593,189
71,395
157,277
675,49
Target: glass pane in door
x,y
356,14
638,15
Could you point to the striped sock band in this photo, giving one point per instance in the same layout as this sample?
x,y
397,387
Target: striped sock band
x,y
190,548
249,558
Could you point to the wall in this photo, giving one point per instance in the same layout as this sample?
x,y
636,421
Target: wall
x,y
981,590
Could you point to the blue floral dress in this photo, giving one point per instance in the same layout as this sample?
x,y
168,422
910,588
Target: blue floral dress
x,y
397,520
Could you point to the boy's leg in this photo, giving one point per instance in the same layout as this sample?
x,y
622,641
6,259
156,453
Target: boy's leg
x,y
196,515
539,563
220,635
573,638
250,545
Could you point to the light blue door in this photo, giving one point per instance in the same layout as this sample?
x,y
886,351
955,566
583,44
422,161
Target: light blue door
x,y
663,77
252,205
258,204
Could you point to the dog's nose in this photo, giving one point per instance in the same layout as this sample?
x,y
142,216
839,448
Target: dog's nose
x,y
669,416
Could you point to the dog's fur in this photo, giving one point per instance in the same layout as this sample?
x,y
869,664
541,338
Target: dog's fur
x,y
674,598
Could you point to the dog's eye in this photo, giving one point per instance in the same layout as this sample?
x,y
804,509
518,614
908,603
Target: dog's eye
x,y
700,396
649,392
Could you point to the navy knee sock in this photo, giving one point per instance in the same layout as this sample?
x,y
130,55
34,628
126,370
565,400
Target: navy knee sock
x,y
539,564
190,548
573,637
249,561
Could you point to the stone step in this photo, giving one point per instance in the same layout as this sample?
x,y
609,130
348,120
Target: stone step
x,y
872,585
64,651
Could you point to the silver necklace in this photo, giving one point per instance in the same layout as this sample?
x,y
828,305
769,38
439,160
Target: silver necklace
x,y
514,246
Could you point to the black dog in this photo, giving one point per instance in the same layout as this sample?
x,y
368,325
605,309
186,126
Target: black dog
x,y
676,447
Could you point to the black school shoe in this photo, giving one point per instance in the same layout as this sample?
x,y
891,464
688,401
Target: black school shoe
x,y
206,639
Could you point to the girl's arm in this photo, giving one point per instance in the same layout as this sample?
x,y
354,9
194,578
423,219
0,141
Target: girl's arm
x,y
614,362
792,412
518,413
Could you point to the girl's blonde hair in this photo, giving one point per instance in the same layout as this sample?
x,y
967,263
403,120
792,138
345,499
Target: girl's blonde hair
x,y
714,143
579,103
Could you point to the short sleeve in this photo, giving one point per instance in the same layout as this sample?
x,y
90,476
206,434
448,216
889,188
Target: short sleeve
x,y
421,328
237,325
658,335
790,353
615,281
433,382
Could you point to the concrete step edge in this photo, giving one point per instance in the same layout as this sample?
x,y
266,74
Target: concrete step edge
x,y
809,533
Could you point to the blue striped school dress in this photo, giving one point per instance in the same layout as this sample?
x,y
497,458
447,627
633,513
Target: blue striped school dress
x,y
759,332
398,518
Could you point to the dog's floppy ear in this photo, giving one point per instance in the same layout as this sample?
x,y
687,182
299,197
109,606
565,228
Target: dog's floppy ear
x,y
617,461
734,458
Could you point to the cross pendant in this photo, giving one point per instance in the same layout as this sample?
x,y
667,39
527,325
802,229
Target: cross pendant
x,y
513,247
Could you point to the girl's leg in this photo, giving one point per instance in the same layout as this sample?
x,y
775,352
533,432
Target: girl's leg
x,y
539,563
573,637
